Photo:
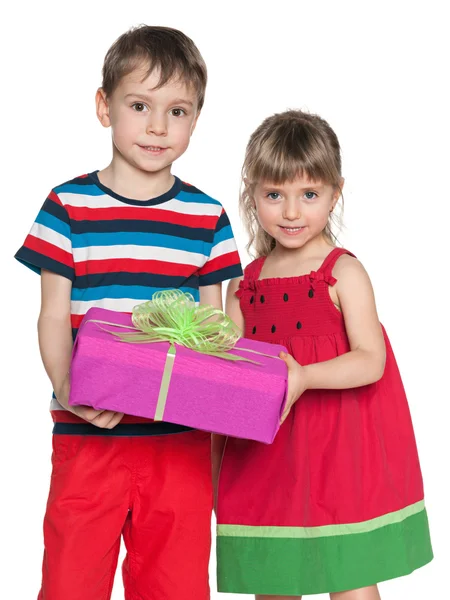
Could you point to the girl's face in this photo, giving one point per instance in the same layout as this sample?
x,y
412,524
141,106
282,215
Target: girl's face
x,y
295,212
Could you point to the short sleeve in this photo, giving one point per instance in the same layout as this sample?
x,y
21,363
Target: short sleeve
x,y
223,262
48,245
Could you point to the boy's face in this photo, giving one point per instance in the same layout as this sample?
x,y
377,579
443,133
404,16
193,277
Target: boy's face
x,y
151,127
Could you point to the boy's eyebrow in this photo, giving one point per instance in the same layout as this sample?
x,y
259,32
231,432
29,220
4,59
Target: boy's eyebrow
x,y
176,101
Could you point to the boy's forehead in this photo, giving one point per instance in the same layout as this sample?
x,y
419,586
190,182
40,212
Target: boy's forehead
x,y
139,80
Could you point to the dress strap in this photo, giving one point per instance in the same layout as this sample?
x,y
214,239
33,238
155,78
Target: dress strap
x,y
251,274
253,270
328,264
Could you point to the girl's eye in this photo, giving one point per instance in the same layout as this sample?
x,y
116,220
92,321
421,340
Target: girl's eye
x,y
139,106
274,196
178,112
310,195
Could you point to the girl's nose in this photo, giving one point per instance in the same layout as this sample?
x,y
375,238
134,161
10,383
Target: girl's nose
x,y
291,210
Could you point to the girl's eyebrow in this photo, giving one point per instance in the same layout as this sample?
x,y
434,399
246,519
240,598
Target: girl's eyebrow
x,y
279,187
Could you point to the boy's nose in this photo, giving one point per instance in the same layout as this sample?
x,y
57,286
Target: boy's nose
x,y
157,125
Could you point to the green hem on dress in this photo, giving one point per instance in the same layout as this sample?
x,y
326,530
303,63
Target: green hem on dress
x,y
297,565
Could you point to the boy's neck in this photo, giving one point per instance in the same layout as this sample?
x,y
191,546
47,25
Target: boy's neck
x,y
132,183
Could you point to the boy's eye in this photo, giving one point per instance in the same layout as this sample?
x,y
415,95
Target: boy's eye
x,y
273,195
178,112
310,195
139,107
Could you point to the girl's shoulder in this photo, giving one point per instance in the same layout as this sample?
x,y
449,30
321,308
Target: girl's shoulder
x,y
350,272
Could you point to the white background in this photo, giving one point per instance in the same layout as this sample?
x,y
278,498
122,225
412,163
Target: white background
x,y
376,71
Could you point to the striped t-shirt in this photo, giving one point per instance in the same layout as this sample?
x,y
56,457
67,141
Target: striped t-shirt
x,y
117,252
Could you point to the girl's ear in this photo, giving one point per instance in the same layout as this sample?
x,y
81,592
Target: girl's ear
x,y
338,193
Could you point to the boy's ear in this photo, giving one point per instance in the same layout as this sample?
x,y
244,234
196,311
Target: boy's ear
x,y
102,108
194,123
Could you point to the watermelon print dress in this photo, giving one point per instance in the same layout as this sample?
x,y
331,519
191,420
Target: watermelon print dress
x,y
336,502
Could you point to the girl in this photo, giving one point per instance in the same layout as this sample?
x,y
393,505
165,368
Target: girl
x,y
336,503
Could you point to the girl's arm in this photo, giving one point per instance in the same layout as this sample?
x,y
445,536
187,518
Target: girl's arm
x,y
218,441
55,343
364,363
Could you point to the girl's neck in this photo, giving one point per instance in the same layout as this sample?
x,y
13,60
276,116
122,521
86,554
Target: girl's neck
x,y
293,262
318,246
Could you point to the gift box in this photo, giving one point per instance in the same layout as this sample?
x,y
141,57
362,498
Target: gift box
x,y
164,380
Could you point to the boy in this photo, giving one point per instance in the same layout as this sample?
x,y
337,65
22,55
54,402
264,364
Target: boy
x,y
111,239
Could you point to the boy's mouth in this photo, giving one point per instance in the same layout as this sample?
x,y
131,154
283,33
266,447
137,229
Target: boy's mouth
x,y
154,150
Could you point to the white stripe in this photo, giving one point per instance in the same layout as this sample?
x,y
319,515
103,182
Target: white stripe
x,y
51,236
224,247
191,208
174,205
55,405
80,307
134,252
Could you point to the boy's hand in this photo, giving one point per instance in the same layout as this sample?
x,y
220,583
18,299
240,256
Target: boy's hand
x,y
297,383
105,419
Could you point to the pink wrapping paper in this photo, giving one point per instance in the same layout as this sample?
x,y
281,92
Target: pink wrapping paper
x,y
238,399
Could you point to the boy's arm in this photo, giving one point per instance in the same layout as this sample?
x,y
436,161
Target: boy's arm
x,y
212,294
55,343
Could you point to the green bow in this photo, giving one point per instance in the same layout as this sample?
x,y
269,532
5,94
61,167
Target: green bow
x,y
172,316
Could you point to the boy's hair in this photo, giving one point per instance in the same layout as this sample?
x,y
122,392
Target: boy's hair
x,y
285,146
168,50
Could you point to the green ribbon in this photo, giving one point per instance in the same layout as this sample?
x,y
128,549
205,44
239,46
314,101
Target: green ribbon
x,y
172,316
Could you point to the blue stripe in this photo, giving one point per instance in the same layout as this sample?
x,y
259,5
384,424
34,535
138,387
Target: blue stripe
x,y
36,262
198,199
221,275
136,292
125,238
83,190
48,220
224,234
123,429
162,282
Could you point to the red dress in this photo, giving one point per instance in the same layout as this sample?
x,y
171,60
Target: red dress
x,y
336,502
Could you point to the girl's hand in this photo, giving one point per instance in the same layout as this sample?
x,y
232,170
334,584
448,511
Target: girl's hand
x,y
297,383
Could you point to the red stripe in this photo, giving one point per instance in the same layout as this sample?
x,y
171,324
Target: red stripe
x,y
65,416
55,198
49,250
76,319
129,265
82,213
221,262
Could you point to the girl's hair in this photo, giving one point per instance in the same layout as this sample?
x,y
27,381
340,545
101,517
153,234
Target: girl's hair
x,y
285,146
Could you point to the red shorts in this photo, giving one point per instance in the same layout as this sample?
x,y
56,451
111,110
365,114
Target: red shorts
x,y
155,491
